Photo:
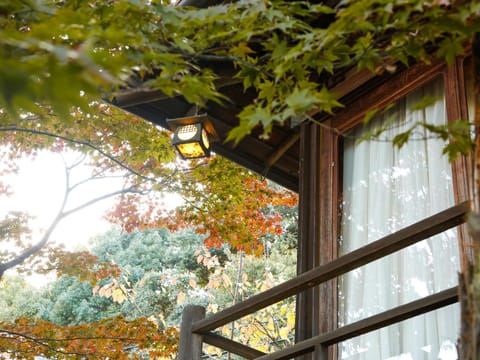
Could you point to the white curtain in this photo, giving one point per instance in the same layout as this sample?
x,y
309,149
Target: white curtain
x,y
384,190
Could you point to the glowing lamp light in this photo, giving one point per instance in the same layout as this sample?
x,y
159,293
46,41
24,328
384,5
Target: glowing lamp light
x,y
192,136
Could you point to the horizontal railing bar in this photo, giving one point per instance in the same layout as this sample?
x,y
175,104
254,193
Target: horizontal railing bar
x,y
389,244
232,346
400,313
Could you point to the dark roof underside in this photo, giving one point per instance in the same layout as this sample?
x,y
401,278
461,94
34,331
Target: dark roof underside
x,y
276,158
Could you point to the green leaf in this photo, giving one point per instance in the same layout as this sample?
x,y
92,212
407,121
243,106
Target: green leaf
x,y
251,117
241,50
280,49
439,130
449,49
321,9
401,139
328,100
425,102
455,148
461,126
267,91
249,75
369,115
301,100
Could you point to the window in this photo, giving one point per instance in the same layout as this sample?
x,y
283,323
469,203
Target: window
x,y
384,190
377,190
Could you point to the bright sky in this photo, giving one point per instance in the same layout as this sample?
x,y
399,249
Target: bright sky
x,y
39,189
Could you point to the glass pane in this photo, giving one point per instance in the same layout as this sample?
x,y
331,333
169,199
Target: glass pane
x,y
421,338
384,190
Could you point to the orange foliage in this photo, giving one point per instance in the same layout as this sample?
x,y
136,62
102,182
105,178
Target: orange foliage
x,y
114,338
243,224
222,201
81,264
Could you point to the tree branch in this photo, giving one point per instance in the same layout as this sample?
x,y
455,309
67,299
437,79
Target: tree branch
x,y
86,144
46,236
41,340
61,214
130,190
48,342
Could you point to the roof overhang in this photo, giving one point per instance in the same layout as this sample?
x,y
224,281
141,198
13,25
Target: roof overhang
x,y
276,158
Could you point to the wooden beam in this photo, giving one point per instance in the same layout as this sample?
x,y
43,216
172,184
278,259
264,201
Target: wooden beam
x,y
279,151
198,3
408,236
138,96
352,82
397,87
232,346
400,313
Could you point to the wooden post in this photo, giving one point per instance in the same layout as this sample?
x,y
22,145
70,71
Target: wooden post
x,y
316,307
190,344
322,352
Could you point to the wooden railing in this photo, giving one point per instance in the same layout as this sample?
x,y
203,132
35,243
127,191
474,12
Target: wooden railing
x,y
197,329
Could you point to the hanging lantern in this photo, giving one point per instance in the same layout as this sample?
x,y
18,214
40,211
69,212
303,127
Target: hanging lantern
x,y
192,136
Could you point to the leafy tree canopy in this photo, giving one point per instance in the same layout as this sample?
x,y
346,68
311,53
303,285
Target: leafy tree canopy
x,y
71,302
64,53
16,296
155,286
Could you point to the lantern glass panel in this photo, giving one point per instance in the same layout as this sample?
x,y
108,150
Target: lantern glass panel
x,y
187,132
191,150
206,142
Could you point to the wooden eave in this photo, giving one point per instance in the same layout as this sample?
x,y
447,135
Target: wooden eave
x,y
276,158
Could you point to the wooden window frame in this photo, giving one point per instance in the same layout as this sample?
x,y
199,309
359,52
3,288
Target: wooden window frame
x,y
331,154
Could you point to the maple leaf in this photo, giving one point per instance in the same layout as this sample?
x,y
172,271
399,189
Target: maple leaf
x,y
242,50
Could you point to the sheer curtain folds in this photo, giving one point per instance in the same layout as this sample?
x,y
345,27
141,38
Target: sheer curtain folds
x,y
384,190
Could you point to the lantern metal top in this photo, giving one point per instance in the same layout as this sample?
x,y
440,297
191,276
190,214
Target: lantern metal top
x,y
173,124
